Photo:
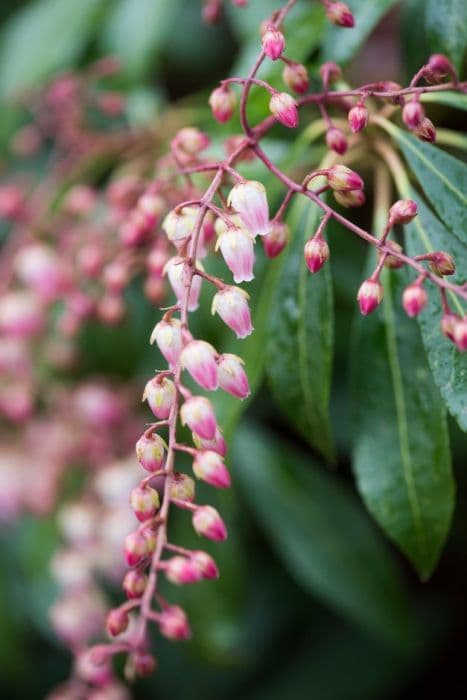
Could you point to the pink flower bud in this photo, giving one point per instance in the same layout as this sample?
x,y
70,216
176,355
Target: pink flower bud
x,y
442,263
231,303
200,359
460,334
338,13
335,139
426,131
391,261
438,67
135,548
284,108
160,395
143,664
134,583
79,200
209,467
168,336
150,537
330,72
144,502
236,245
150,452
206,564
275,241
358,117
369,296
173,623
316,253
448,322
116,276
150,205
21,315
191,140
182,488
402,211
208,522
295,76
352,198
197,412
413,114
175,271
249,200
117,622
93,667
414,299
273,43
223,102
178,225
182,570
11,201
232,377
342,179
217,444
39,268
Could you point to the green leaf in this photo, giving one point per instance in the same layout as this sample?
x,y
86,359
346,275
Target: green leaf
x,y
442,177
300,336
401,450
449,366
318,531
44,37
446,22
341,44
451,99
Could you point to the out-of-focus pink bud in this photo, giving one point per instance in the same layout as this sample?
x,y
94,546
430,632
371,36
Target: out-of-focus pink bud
x,y
134,583
182,488
460,334
209,467
11,201
93,668
402,212
208,522
236,245
273,43
21,315
412,114
79,200
414,299
173,623
369,296
206,564
182,570
144,502
96,404
111,309
284,108
295,76
249,200
135,548
232,377
111,103
448,322
352,198
358,117
343,179
316,253
231,303
174,270
330,72
143,664
150,205
116,276
335,139
178,225
27,141
191,140
212,11
223,102
217,444
197,412
168,336
438,67
392,262
124,192
426,131
39,268
275,241
150,452
160,395
90,259
200,359
338,13
442,263
117,622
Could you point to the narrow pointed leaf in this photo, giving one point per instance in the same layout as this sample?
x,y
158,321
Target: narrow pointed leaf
x,y
446,22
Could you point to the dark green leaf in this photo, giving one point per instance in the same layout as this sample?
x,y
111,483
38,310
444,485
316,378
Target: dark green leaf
x,y
401,451
318,531
300,336
451,99
446,22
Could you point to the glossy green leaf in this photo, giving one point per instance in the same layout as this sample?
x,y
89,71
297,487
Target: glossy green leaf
x,y
446,23
401,453
44,37
341,44
319,532
300,336
451,99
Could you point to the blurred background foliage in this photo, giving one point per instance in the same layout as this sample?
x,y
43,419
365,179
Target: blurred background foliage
x,y
312,602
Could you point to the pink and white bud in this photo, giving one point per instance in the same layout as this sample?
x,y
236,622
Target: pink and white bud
x,y
197,412
352,198
39,268
442,263
460,334
330,72
168,336
209,467
223,102
182,570
173,623
144,502
426,131
182,488
200,359
175,271
217,444
273,43
392,262
21,315
413,114
295,76
448,323
150,452
206,564
438,68
191,140
160,395
135,548
402,211
93,667
275,241
342,179
134,583
231,303
414,299
316,253
284,108
142,663
179,225
150,205
117,622
369,296
338,13
335,139
232,376
236,245
208,522
79,200
358,117
249,200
